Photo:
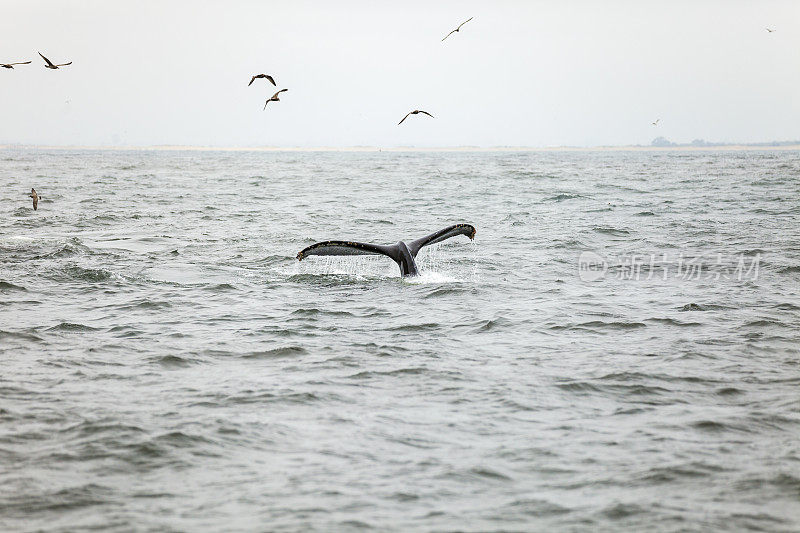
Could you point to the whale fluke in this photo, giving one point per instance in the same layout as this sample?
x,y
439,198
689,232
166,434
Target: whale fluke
x,y
403,254
450,231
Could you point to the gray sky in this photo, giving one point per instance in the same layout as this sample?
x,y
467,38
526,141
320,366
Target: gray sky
x,y
521,73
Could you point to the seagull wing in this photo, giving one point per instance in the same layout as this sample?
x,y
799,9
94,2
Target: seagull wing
x,y
270,79
64,64
252,80
24,63
421,111
449,34
47,60
405,117
459,26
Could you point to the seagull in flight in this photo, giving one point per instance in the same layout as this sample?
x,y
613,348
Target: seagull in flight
x,y
769,30
274,97
35,198
254,78
656,122
11,65
50,63
414,113
459,27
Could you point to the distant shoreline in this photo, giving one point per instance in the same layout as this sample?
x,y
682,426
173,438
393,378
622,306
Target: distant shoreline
x,y
177,148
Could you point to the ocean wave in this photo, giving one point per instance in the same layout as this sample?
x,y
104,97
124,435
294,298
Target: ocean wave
x,y
407,371
673,322
288,397
221,287
173,361
562,197
425,326
446,291
600,325
20,335
6,286
608,230
61,500
494,392
92,275
283,351
71,326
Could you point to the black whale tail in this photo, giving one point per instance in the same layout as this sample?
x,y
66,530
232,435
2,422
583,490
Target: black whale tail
x,y
403,254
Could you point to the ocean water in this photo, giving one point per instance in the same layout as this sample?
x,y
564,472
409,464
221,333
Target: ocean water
x,y
617,349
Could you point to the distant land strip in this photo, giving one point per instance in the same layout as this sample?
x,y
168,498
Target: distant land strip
x,y
793,145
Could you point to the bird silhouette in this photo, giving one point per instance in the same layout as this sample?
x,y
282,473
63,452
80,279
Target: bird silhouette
x,y
50,63
274,97
656,122
414,113
11,65
257,76
459,27
35,198
769,30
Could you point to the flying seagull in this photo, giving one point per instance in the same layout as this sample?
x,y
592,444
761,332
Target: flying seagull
x,y
254,78
50,63
414,113
459,27
656,122
11,65
274,98
35,198
769,30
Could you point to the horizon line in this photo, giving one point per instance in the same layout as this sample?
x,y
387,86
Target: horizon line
x,y
776,145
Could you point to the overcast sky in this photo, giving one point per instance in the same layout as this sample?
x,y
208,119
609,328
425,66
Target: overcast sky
x,y
529,73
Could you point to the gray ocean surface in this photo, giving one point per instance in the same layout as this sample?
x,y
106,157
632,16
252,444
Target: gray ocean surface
x,y
167,364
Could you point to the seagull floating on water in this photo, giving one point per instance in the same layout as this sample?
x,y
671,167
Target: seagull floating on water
x,y
414,113
459,27
274,97
11,65
257,76
50,63
35,198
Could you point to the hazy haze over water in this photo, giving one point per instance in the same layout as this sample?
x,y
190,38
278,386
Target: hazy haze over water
x,y
520,73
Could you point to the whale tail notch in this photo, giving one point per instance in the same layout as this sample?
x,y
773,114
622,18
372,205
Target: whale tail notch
x,y
403,254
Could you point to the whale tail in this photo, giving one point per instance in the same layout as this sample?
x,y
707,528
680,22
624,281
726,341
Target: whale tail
x,y
451,231
403,254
